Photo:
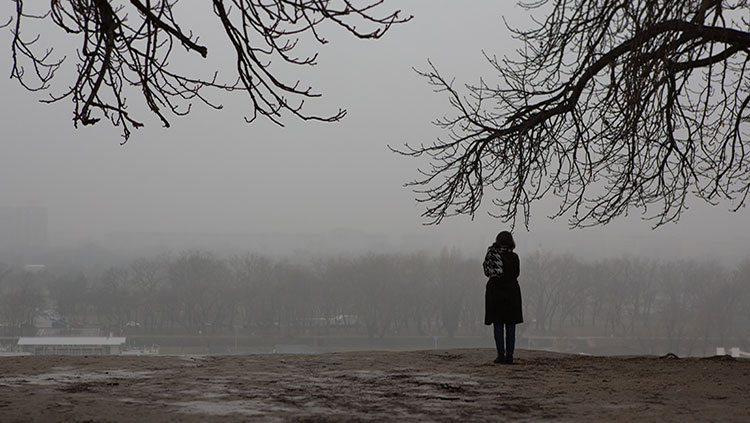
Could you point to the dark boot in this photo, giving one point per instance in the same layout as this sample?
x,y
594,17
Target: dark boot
x,y
500,359
509,359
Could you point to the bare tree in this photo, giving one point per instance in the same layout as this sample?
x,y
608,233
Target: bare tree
x,y
148,277
249,273
451,271
740,323
376,284
196,280
575,287
131,47
112,298
609,106
21,296
541,288
70,294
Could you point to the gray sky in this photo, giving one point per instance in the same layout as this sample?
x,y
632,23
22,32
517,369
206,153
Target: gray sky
x,y
212,173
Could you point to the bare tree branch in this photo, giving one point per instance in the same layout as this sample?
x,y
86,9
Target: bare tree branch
x,y
126,46
611,107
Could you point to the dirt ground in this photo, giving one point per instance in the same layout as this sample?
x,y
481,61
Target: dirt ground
x,y
438,385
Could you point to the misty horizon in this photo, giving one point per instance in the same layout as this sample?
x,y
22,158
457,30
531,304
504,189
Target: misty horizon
x,y
212,174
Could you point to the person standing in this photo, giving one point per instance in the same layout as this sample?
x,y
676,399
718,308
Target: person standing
x,y
502,296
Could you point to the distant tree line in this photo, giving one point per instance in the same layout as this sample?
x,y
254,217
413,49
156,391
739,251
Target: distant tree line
x,y
691,305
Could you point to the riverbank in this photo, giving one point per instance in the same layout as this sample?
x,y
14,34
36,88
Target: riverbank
x,y
434,385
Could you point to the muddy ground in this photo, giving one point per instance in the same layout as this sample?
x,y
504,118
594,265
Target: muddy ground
x,y
447,385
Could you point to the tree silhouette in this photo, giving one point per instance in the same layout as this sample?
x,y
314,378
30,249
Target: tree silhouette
x,y
609,106
126,48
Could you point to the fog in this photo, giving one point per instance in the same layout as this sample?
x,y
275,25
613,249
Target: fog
x,y
316,195
214,182
226,262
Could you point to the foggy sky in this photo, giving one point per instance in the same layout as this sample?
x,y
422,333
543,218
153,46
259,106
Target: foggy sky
x,y
213,174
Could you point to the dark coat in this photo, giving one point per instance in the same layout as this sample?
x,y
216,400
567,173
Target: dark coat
x,y
502,297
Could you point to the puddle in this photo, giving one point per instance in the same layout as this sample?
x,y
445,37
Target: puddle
x,y
63,375
619,406
224,408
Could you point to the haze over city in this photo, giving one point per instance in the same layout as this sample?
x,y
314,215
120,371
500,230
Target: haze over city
x,y
212,181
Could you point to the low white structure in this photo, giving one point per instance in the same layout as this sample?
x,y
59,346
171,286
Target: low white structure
x,y
735,352
72,345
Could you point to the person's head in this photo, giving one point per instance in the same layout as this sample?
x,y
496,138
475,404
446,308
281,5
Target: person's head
x,y
505,239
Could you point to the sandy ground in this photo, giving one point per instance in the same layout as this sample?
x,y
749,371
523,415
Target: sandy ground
x,y
447,385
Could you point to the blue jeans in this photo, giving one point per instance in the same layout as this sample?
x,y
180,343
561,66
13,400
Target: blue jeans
x,y
505,344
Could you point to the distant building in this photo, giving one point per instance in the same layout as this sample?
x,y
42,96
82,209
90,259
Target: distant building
x,y
23,226
71,345
35,268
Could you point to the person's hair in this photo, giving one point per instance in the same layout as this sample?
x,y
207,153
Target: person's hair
x,y
505,239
